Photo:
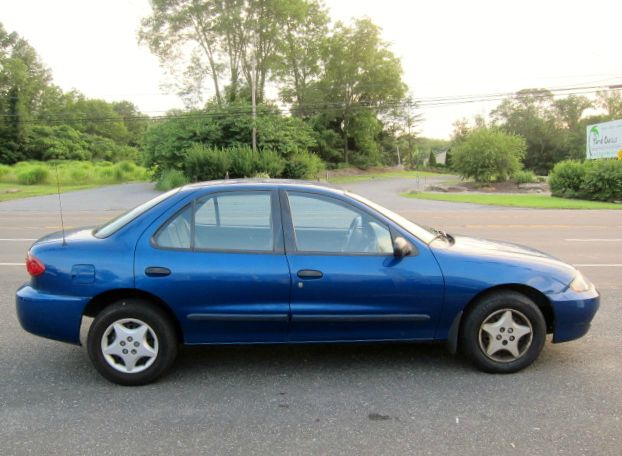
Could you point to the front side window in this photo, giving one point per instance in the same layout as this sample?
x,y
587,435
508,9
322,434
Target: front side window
x,y
326,225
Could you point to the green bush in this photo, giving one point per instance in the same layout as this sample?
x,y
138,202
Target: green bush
x,y
32,174
566,179
203,163
4,171
170,179
603,180
525,177
488,154
242,161
303,165
269,163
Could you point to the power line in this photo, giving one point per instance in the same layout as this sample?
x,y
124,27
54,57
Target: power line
x,y
318,108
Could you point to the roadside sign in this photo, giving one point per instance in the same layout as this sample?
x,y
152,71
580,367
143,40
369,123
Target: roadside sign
x,y
604,140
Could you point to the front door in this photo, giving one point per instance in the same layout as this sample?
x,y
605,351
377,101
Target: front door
x,y
347,284
219,263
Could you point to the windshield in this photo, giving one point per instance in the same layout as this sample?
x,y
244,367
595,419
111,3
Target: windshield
x,y
119,222
416,230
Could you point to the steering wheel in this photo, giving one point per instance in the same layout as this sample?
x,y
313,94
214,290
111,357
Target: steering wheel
x,y
357,223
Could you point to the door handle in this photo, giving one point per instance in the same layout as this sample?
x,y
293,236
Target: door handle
x,y
157,271
310,274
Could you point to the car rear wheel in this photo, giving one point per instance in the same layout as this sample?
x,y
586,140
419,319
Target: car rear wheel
x,y
504,332
132,342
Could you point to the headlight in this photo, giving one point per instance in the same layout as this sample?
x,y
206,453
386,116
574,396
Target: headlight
x,y
580,283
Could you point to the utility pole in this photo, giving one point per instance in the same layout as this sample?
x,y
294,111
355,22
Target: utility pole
x,y
254,101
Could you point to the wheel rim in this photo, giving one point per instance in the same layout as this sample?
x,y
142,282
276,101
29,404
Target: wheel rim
x,y
129,345
505,335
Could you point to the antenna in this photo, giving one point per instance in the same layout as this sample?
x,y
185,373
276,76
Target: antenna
x,y
60,205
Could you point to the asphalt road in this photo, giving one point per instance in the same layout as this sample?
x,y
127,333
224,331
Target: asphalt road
x,y
382,399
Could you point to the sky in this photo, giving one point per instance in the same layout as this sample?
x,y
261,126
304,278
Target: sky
x,y
448,48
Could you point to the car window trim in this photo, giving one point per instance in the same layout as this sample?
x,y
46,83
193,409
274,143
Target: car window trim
x,y
290,238
277,230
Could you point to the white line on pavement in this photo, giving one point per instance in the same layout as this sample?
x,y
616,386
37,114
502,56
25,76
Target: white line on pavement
x,y
11,264
593,240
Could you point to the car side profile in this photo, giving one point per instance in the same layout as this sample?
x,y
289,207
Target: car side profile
x,y
271,262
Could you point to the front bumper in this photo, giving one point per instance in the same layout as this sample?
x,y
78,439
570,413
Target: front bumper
x,y
573,313
56,317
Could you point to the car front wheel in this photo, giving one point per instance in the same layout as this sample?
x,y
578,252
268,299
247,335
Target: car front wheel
x,y
504,332
132,342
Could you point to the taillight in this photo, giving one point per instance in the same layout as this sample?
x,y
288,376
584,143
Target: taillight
x,y
34,266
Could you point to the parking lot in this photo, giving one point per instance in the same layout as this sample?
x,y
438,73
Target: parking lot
x,y
363,399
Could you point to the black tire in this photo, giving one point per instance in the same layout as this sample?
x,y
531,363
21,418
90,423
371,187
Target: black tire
x,y
160,330
495,305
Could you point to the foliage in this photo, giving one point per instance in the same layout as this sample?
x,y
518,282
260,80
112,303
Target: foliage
x,y
204,163
33,174
553,128
566,179
303,165
597,180
515,200
432,159
603,180
343,80
72,173
165,142
40,122
525,177
207,163
170,179
488,154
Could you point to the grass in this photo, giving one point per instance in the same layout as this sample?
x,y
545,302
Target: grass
x,y
518,200
388,175
7,192
26,179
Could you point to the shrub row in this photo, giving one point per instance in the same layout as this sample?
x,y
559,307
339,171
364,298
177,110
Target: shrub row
x,y
205,163
72,172
599,180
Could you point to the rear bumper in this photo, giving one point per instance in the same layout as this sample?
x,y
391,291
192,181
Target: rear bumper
x,y
52,316
573,314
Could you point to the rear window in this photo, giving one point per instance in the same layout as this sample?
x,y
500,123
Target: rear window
x,y
119,222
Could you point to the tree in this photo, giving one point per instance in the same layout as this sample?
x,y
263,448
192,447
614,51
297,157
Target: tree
x,y
305,30
360,74
531,114
488,154
432,159
611,103
23,83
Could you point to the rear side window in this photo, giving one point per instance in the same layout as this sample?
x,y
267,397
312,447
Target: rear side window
x,y
232,221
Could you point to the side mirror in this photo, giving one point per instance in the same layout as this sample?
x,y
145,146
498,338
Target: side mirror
x,y
401,247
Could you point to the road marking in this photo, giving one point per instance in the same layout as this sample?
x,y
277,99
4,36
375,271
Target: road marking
x,y
17,240
595,265
11,264
593,240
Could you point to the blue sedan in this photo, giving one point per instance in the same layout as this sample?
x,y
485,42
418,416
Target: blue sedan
x,y
268,262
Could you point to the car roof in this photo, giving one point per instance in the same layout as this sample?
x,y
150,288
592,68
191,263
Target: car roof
x,y
287,183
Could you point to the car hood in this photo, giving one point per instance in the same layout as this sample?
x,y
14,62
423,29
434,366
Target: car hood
x,y
502,253
497,248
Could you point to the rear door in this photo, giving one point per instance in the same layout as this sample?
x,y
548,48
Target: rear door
x,y
347,284
219,263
